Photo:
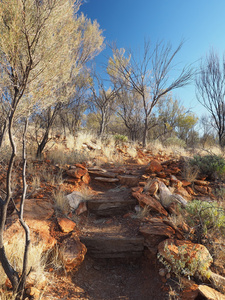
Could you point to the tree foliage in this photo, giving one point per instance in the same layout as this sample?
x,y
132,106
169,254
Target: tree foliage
x,y
43,45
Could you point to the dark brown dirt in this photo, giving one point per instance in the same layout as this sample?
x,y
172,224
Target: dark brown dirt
x,y
110,279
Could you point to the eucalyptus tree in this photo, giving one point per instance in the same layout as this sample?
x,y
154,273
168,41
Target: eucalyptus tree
x,y
38,46
148,74
210,91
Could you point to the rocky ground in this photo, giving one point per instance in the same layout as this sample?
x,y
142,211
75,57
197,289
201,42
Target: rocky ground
x,y
108,242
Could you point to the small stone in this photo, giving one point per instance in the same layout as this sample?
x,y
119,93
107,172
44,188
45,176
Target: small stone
x,y
66,225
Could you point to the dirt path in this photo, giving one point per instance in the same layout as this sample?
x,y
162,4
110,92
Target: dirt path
x,y
116,267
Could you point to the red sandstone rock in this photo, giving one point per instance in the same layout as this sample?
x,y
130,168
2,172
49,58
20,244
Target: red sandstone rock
x,y
183,192
76,172
201,189
82,207
154,166
73,253
154,233
66,225
201,182
150,202
86,178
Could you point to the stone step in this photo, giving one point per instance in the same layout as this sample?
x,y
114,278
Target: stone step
x,y
113,246
112,203
117,237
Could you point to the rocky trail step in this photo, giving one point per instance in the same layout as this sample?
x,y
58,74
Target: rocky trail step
x,y
113,202
112,238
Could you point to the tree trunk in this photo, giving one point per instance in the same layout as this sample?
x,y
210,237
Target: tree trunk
x,y
42,145
145,132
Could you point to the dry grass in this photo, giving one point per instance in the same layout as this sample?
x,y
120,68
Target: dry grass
x,y
61,203
86,193
157,147
36,260
190,172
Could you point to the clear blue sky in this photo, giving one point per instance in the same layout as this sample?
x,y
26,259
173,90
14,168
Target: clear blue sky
x,y
201,23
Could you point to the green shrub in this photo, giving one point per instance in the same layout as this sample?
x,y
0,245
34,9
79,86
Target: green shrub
x,y
120,138
174,141
205,216
209,165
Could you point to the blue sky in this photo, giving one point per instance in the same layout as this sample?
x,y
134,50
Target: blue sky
x,y
201,23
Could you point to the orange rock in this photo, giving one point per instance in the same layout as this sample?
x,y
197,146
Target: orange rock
x,y
86,178
73,253
82,207
183,192
76,172
185,183
155,232
190,191
66,225
150,202
201,182
81,166
154,166
175,182
201,189
137,189
190,291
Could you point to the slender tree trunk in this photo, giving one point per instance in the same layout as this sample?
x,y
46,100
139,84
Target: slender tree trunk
x,y
3,131
21,286
145,131
8,269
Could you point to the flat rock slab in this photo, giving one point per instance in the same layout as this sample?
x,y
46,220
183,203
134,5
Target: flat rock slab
x,y
112,203
114,246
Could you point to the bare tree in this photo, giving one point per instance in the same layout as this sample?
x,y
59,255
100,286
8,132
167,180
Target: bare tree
x,y
103,101
210,90
148,75
131,111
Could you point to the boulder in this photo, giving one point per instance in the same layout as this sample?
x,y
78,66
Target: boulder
x,y
195,258
72,252
37,213
74,199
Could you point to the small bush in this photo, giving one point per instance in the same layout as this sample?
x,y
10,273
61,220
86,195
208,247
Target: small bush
x,y
205,216
209,165
120,138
